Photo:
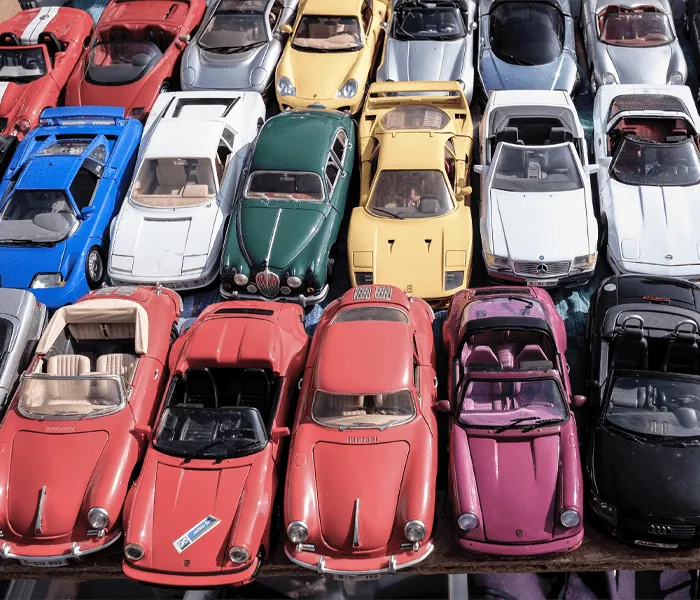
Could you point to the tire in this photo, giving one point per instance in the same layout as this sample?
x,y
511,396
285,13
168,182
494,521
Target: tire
x,y
94,267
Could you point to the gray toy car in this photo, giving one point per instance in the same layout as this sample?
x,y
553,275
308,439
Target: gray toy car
x,y
238,45
527,44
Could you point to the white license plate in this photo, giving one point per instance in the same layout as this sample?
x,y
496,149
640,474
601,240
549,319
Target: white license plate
x,y
49,564
654,544
543,283
372,576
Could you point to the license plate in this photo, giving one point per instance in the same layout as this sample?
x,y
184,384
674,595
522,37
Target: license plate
x,y
654,544
369,577
543,283
49,563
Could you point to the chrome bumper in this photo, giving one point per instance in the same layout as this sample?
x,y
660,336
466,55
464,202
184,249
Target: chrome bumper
x,y
304,301
75,551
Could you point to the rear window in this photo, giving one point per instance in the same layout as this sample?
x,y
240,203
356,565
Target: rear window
x,y
415,117
282,185
371,313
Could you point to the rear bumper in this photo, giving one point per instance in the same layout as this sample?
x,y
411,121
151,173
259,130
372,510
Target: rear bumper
x,y
556,546
193,580
44,552
304,301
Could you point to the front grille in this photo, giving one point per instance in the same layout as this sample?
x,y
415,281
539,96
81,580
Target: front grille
x,y
658,530
541,269
268,283
364,292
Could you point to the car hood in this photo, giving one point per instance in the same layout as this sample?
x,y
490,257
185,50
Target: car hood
x,y
425,60
641,65
35,259
499,75
209,70
320,75
111,95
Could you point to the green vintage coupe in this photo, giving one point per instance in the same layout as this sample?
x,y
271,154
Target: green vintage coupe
x,y
288,212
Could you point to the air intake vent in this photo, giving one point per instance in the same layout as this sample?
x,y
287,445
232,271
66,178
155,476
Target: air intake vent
x,y
383,292
245,311
364,292
521,291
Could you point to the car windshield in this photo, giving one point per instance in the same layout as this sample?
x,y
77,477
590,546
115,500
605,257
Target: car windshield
x,y
76,397
174,182
21,65
410,195
429,24
235,28
514,401
640,162
536,169
328,34
363,411
526,33
117,63
636,29
283,185
37,216
74,147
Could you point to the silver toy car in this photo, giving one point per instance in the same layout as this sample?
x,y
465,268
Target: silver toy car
x,y
430,41
634,42
238,45
527,44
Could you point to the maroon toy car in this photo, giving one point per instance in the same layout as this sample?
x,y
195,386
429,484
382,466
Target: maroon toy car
x,y
514,469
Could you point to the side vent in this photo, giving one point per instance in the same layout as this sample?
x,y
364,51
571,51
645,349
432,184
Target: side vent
x,y
245,311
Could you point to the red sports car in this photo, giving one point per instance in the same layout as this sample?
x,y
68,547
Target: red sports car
x,y
360,493
210,477
78,425
39,49
134,54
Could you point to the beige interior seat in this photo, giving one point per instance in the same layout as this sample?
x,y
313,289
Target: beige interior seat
x,y
194,190
123,365
171,178
68,365
347,406
102,331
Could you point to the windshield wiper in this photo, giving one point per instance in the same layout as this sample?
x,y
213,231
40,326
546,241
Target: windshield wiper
x,y
220,442
387,212
540,423
234,49
520,61
514,423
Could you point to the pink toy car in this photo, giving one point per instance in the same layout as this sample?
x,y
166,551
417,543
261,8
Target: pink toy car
x,y
515,469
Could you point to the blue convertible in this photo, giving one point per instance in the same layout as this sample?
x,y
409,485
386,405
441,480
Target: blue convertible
x,y
62,188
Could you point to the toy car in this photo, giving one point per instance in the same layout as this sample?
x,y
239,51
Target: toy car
x,y
329,57
632,43
413,226
171,226
360,493
79,421
134,54
38,50
527,45
202,512
646,146
514,467
238,46
537,221
280,242
61,189
645,392
430,41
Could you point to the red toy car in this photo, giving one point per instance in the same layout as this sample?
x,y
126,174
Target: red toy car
x,y
360,493
134,54
210,477
77,426
39,49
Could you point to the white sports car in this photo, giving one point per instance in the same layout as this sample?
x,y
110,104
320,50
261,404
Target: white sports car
x,y
537,221
171,226
646,147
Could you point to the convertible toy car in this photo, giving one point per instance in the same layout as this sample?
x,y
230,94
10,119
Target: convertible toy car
x,y
413,227
514,467
280,242
646,146
360,494
63,186
527,45
218,450
134,54
431,41
645,391
171,226
78,425
632,43
38,50
239,45
537,220
328,59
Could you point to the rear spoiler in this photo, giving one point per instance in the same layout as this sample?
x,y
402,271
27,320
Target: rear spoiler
x,y
84,115
448,94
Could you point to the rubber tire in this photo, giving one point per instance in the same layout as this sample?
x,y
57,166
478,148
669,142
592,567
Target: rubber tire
x,y
94,283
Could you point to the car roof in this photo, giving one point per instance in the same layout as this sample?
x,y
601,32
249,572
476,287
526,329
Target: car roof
x,y
61,170
168,136
332,7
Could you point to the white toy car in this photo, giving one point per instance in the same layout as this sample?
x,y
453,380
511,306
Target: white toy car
x,y
646,147
537,221
171,226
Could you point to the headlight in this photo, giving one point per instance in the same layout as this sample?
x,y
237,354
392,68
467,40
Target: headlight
x,y
609,78
497,262
98,518
23,125
240,279
364,278
676,78
467,522
297,532
453,279
293,282
348,90
251,289
238,555
570,518
414,531
285,87
605,510
136,113
585,262
134,552
47,280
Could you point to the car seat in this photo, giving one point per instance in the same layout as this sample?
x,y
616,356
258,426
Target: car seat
x,y
171,178
631,349
682,353
532,358
68,365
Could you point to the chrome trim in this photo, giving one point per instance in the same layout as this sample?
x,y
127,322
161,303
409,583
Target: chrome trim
x,y
38,524
301,299
305,548
272,237
75,551
356,524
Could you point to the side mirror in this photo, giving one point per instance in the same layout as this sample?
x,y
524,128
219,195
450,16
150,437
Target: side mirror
x,y
578,401
184,38
443,406
384,25
593,169
144,432
286,28
472,26
88,210
278,433
466,191
481,169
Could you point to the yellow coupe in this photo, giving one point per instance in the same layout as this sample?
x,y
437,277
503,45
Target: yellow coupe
x,y
413,227
330,54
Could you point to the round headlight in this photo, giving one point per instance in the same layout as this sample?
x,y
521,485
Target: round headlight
x,y
676,78
348,90
98,518
297,532
240,279
134,552
285,290
293,282
414,531
238,555
609,78
285,87
467,521
570,518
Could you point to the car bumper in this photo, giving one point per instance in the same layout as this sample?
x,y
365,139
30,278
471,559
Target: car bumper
x,y
350,105
189,580
689,272
39,553
304,301
184,282
555,546
568,280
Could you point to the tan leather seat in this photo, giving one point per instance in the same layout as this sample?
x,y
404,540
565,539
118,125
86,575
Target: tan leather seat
x,y
68,365
171,179
123,365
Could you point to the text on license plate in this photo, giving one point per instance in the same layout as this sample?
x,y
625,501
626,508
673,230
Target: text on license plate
x,y
654,544
50,563
542,283
357,577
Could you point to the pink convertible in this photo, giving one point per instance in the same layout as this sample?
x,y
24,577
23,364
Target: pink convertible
x,y
515,470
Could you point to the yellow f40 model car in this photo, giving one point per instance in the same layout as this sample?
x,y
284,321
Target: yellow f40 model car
x,y
413,227
330,54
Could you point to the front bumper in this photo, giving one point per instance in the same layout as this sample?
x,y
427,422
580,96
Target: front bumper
x,y
349,105
689,272
184,282
48,552
555,546
301,299
568,280
640,537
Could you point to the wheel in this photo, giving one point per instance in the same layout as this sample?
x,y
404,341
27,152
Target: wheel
x,y
94,267
164,87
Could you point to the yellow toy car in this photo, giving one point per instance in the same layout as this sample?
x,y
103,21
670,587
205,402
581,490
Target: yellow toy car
x,y
413,227
330,54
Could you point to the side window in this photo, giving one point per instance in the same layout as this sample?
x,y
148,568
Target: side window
x,y
450,162
332,171
374,162
275,13
83,187
339,146
366,16
223,153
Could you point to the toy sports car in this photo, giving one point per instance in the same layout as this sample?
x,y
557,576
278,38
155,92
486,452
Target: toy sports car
x,y
38,50
171,226
238,46
134,54
537,220
634,42
527,45
62,188
429,41
203,510
646,146
413,227
643,448
360,494
514,470
280,242
78,424
329,57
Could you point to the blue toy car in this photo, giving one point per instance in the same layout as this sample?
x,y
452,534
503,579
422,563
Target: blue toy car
x,y
61,190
